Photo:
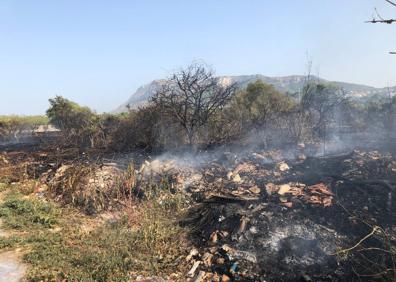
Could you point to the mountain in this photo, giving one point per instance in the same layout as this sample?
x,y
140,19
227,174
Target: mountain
x,y
285,84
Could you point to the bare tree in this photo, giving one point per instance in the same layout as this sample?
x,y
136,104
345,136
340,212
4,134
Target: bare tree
x,y
321,101
191,96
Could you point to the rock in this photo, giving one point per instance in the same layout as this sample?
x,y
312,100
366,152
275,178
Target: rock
x,y
141,278
288,204
305,277
242,225
226,248
253,230
302,157
224,234
196,177
283,199
215,278
191,273
229,175
283,189
244,168
207,259
225,278
259,156
255,190
213,237
236,178
271,188
194,252
213,250
200,276
4,160
282,166
301,145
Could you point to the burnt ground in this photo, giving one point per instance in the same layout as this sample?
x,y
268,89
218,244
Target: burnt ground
x,y
273,215
336,222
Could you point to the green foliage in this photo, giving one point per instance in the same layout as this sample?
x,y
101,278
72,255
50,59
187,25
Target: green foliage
x,y
261,104
109,253
67,115
20,213
80,126
259,113
27,120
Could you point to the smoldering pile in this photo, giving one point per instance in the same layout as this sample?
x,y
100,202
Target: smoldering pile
x,y
258,216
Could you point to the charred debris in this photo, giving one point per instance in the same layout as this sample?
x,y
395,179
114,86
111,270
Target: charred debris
x,y
256,215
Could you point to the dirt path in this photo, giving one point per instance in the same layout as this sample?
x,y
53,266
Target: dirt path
x,y
11,268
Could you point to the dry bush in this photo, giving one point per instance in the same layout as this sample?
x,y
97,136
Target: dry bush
x,y
91,187
10,172
136,130
145,128
96,188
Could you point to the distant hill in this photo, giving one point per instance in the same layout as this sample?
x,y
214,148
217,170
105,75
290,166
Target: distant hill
x,y
285,84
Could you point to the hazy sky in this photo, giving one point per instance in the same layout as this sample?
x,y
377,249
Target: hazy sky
x,y
98,52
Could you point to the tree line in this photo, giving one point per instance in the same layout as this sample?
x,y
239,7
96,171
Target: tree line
x,y
194,108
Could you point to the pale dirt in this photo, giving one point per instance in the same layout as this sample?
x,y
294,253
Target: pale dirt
x,y
11,267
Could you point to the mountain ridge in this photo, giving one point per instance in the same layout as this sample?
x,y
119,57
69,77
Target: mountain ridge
x,y
285,84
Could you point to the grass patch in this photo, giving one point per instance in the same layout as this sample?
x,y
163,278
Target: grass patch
x,y
29,120
26,213
146,240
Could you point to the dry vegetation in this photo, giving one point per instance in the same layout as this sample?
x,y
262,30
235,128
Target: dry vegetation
x,y
60,242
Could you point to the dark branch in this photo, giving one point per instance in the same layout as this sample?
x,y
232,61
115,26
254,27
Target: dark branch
x,y
390,2
381,21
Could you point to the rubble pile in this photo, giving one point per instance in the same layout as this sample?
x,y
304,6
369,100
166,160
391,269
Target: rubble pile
x,y
287,220
317,194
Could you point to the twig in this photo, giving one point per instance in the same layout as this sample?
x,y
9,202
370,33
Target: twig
x,y
375,229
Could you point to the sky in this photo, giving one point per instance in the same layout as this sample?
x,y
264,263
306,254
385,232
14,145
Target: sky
x,y
97,53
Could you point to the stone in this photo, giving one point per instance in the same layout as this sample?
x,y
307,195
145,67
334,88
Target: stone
x,y
283,189
255,190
